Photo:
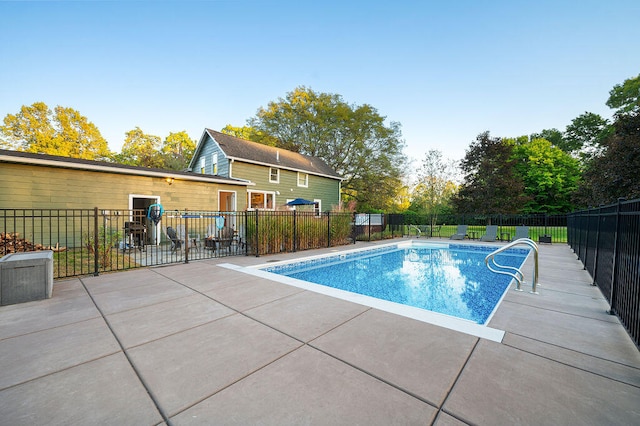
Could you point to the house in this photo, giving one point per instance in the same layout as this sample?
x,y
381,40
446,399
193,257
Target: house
x,y
47,182
278,175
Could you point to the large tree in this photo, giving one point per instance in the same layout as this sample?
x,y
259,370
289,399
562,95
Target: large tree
x,y
177,150
435,187
63,131
549,174
614,173
625,97
140,149
353,139
490,182
585,134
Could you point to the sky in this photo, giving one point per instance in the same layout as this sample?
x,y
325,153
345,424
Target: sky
x,y
445,70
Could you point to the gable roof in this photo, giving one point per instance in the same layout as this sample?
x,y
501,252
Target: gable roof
x,y
20,157
257,153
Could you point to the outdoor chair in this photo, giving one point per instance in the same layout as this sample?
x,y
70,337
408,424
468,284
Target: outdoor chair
x,y
460,234
521,232
490,234
176,243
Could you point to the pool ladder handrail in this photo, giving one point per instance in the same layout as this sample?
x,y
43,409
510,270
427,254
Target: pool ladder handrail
x,y
517,275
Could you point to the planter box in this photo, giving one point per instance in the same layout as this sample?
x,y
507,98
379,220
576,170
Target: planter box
x,y
25,277
544,239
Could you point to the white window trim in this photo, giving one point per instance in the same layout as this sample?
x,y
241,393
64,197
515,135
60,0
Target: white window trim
x,y
306,180
203,163
278,173
265,199
214,163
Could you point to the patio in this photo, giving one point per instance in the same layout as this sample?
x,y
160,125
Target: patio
x,y
199,343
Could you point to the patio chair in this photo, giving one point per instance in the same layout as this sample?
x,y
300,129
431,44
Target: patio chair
x,y
490,234
176,243
521,232
461,233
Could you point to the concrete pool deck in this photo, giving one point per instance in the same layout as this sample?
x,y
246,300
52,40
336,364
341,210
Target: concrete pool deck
x,y
203,344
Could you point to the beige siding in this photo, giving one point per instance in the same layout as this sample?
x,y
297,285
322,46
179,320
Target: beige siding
x,y
27,186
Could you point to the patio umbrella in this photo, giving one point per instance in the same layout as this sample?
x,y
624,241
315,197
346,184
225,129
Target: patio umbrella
x,y
300,202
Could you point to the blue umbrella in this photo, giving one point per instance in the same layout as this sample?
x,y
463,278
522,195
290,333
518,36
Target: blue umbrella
x,y
300,202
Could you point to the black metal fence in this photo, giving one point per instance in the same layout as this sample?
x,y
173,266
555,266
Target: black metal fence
x,y
91,241
543,228
607,241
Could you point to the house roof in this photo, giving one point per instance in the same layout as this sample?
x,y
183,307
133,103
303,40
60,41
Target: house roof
x,y
19,157
257,153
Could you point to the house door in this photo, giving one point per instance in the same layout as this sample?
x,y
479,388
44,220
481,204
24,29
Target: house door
x,y
226,201
139,204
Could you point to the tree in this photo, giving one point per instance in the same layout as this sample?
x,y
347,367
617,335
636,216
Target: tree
x,y
490,183
625,97
63,132
585,134
140,149
248,133
177,150
555,136
435,186
614,173
352,139
549,174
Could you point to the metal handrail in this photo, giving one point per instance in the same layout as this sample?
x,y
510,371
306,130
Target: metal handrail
x,y
517,275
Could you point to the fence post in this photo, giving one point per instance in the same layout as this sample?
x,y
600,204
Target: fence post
x,y
186,236
257,235
612,308
295,231
595,255
96,242
328,229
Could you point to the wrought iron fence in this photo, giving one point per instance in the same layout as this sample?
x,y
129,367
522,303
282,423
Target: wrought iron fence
x,y
92,241
607,241
543,228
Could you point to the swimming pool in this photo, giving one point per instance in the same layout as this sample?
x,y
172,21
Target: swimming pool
x,y
449,279
455,266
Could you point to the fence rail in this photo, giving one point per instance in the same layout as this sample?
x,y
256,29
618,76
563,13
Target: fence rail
x,y
607,241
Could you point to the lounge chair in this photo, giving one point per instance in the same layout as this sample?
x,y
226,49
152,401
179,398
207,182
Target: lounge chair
x,y
491,234
461,233
176,243
521,232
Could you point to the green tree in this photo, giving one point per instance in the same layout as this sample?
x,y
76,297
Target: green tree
x,y
556,137
490,182
614,173
550,176
585,134
434,190
352,139
248,133
63,132
177,150
140,149
625,97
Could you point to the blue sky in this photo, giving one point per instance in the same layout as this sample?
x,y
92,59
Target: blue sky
x,y
446,70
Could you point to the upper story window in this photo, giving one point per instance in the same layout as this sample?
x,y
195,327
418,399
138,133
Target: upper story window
x,y
214,164
303,179
274,175
203,162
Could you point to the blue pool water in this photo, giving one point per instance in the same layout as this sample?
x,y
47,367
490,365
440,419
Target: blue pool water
x,y
451,280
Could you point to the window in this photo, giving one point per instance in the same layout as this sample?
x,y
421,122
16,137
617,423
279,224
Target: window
x,y
303,179
202,164
214,164
274,175
261,200
317,207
